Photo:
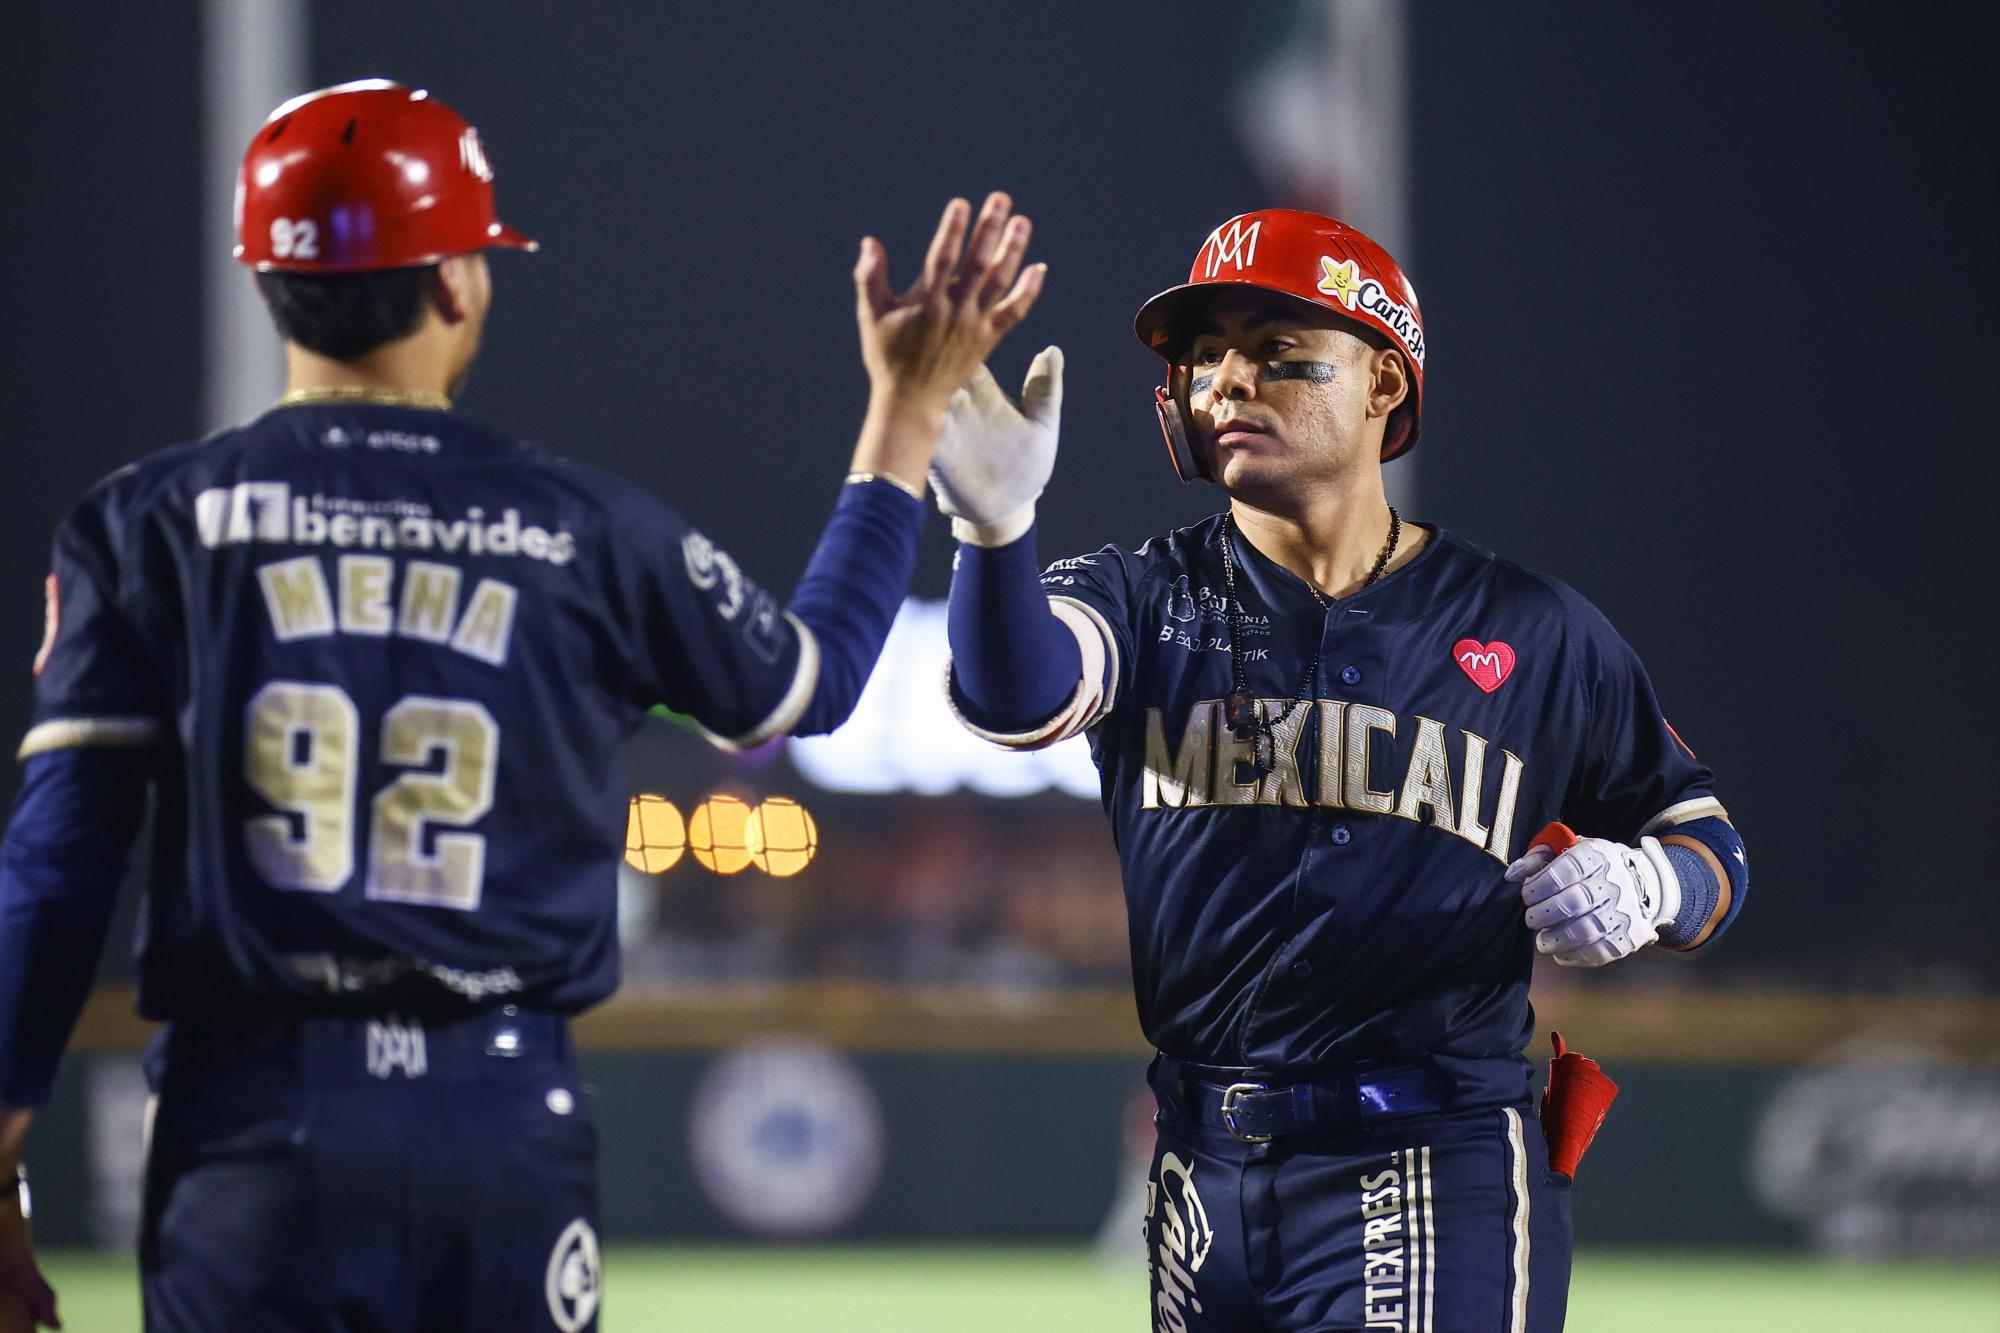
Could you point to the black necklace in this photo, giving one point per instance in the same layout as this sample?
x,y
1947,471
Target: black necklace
x,y
1240,713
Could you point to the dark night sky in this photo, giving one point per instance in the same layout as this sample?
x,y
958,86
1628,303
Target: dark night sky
x,y
1703,286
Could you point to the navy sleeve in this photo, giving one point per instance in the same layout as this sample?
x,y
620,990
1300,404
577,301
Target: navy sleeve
x,y
1634,775
851,590
705,640
1013,664
95,681
998,618
71,831
709,643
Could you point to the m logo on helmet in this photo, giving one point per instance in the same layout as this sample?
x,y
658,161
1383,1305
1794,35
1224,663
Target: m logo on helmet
x,y
1235,246
472,154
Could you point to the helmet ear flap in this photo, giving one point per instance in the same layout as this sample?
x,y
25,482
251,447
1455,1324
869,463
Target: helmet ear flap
x,y
1175,426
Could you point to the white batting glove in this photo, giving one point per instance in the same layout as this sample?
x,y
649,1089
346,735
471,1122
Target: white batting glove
x,y
1599,901
995,457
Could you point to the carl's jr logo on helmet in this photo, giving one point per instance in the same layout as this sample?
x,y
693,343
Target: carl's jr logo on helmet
x,y
1340,281
1235,245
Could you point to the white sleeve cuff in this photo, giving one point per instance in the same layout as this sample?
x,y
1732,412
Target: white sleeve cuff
x,y
69,732
1701,807
1096,686
805,679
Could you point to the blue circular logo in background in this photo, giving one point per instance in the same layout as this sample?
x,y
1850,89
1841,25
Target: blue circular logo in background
x,y
787,1139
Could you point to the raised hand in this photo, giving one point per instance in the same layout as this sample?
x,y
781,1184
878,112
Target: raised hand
x,y
996,454
921,345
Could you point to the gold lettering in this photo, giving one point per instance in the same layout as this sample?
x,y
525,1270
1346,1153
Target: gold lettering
x,y
1503,814
1362,719
1469,826
1230,752
488,623
1283,785
364,593
296,596
1331,736
1429,779
1178,780
430,601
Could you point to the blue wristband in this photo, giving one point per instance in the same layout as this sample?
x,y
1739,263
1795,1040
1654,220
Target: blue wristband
x,y
1700,890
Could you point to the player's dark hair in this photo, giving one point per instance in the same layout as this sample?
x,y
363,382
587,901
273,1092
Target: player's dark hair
x,y
346,315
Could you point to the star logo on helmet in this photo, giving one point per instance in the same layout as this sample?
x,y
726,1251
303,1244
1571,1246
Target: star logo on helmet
x,y
1340,281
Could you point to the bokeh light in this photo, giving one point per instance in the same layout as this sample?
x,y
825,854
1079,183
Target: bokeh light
x,y
655,834
782,836
718,834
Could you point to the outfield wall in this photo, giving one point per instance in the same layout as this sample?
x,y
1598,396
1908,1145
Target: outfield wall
x,y
1848,1125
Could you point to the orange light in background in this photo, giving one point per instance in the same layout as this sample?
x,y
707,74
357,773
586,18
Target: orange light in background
x,y
718,834
781,837
655,835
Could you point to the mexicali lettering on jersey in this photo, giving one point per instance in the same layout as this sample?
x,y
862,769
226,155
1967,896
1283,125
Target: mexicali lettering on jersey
x,y
1349,903
1211,766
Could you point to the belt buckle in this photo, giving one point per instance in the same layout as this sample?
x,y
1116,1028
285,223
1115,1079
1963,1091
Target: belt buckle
x,y
1229,1097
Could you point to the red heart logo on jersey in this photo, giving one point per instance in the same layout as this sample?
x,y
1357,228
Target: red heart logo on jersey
x,y
1489,664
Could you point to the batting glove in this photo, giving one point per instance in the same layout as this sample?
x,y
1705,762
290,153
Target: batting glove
x,y
995,457
1599,901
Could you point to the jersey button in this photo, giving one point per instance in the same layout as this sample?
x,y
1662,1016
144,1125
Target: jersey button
x,y
1350,675
1302,968
1341,835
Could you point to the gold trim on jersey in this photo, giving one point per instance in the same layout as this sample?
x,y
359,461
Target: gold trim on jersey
x,y
1701,807
357,393
69,732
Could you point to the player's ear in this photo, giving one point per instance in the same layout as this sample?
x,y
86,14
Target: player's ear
x,y
459,289
1388,381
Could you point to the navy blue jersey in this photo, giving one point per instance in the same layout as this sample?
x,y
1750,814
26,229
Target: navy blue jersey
x,y
1349,905
390,656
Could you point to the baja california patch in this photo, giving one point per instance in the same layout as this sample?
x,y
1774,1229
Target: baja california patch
x,y
51,620
572,1283
1489,664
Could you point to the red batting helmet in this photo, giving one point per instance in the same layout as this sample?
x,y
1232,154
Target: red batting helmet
x,y
1309,258
362,176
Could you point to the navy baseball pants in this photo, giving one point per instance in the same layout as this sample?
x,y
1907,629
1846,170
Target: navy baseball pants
x,y
1439,1223
355,1175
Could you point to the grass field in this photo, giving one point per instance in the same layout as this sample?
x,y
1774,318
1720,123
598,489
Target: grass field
x,y
891,1290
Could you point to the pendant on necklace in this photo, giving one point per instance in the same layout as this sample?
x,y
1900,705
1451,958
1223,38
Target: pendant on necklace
x,y
1239,713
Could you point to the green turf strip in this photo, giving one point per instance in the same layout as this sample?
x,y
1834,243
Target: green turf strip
x,y
659,1289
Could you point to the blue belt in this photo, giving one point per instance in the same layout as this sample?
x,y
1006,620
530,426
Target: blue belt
x,y
1256,1109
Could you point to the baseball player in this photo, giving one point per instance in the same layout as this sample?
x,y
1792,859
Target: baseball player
x,y
376,662
1327,734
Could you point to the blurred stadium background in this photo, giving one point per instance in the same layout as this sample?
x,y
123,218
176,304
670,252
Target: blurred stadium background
x,y
1706,284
